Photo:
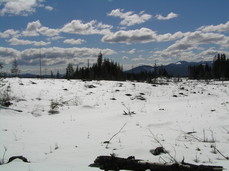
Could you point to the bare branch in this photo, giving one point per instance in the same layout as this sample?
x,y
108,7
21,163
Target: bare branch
x,y
108,142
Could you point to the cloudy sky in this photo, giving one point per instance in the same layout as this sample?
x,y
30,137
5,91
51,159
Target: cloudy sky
x,y
131,32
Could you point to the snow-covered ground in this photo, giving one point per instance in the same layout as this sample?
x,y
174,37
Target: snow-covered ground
x,y
189,118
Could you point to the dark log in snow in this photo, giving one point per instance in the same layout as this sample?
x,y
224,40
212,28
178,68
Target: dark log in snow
x,y
7,108
18,157
116,163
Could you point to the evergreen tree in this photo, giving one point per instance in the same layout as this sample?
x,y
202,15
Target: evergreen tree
x,y
1,73
162,72
69,71
100,60
14,70
220,67
51,74
57,75
155,72
99,66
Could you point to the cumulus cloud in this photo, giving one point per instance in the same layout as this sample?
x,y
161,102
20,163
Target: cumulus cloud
x,y
57,55
143,35
49,8
35,28
170,16
48,31
92,27
132,51
16,41
74,41
32,29
125,57
187,47
193,39
9,33
129,18
21,7
169,37
138,59
7,54
208,54
215,28
52,55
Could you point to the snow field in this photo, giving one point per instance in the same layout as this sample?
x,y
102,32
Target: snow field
x,y
91,112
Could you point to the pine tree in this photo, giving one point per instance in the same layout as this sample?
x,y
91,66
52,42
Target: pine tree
x,y
1,73
14,70
220,67
51,74
57,75
100,60
69,71
99,65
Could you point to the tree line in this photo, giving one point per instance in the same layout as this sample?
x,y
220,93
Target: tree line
x,y
106,69
218,70
103,69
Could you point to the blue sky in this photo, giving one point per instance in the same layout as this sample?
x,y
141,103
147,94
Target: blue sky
x,y
131,32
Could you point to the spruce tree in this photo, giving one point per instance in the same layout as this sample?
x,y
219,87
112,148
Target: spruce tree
x,y
14,70
69,71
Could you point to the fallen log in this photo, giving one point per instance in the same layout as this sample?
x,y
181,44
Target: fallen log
x,y
7,108
116,163
18,157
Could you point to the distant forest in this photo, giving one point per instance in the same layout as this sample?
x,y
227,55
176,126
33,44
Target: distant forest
x,y
106,69
218,70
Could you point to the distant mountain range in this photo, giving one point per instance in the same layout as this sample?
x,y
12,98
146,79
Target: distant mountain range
x,y
179,68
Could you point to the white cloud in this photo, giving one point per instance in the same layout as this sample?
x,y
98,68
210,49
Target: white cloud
x,y
7,54
215,28
210,53
18,7
35,28
74,41
16,41
92,27
125,57
193,41
21,7
188,47
8,33
48,32
168,17
32,29
129,18
52,55
49,8
132,51
55,38
169,37
57,55
143,35
138,59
